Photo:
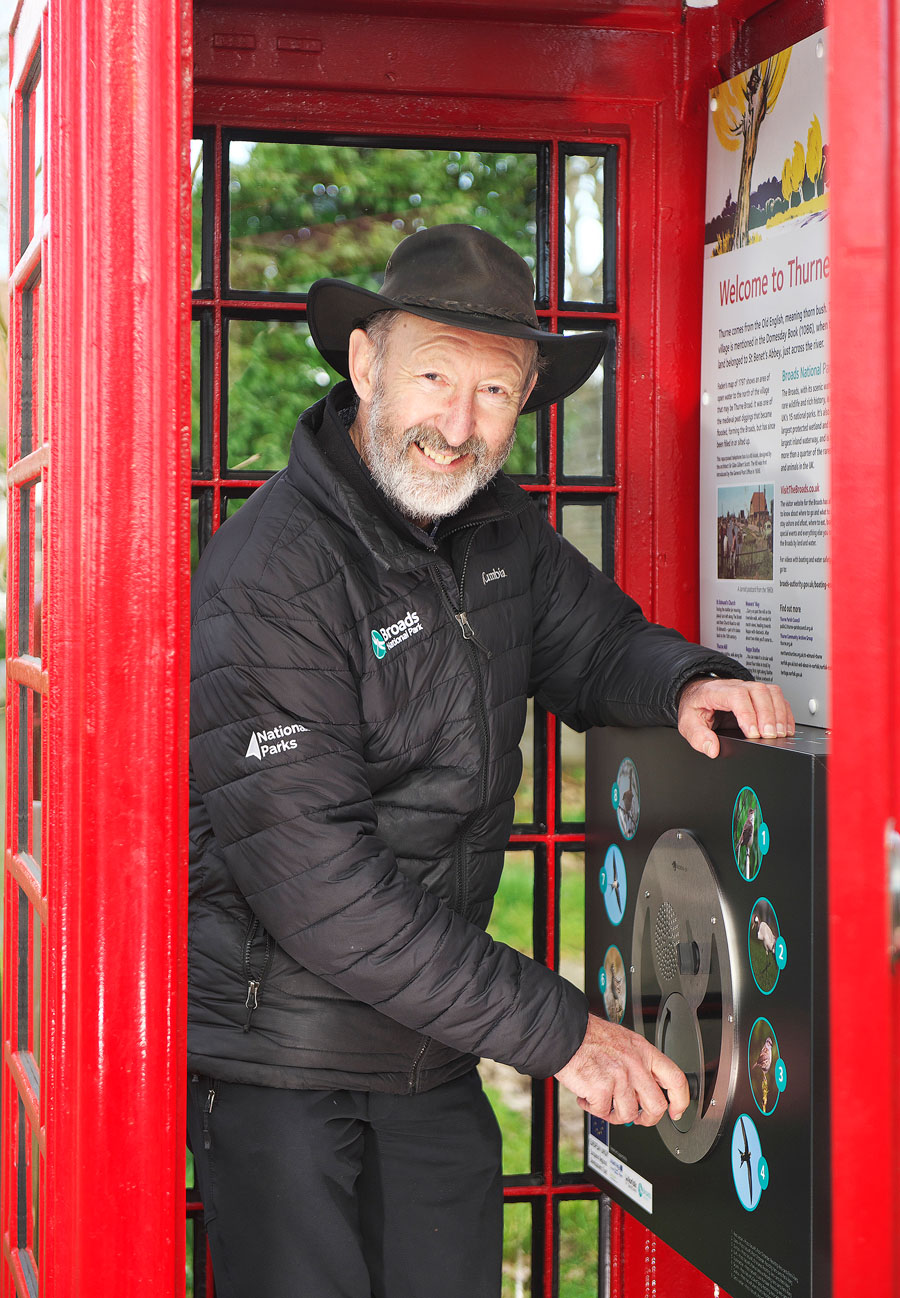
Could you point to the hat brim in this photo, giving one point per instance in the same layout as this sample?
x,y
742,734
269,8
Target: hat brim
x,y
335,308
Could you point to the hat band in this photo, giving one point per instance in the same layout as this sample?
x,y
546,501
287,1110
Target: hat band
x,y
469,308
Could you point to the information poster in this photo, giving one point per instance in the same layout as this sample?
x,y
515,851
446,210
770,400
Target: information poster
x,y
764,484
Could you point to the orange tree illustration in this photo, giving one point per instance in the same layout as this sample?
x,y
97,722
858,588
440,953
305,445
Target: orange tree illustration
x,y
742,105
815,157
798,170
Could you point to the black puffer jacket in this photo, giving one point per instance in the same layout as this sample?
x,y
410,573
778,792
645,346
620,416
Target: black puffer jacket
x,y
357,703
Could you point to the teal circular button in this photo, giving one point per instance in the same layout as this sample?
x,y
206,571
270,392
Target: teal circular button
x,y
781,953
762,1172
603,880
615,794
780,1075
601,978
762,838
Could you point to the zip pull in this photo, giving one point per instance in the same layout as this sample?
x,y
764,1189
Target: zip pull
x,y
469,632
207,1110
252,1001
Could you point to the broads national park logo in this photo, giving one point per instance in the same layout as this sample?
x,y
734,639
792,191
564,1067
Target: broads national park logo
x,y
387,637
263,743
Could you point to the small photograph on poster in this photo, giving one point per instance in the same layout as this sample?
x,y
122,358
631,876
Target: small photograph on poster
x,y
746,526
769,158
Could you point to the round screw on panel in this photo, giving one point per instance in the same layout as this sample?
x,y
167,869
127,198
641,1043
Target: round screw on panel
x,y
679,835
712,919
632,968
677,1151
730,1018
712,1104
647,893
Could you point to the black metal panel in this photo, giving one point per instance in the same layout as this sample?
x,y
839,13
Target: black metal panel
x,y
750,1212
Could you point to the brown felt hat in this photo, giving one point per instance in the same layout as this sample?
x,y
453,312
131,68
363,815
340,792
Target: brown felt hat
x,y
462,276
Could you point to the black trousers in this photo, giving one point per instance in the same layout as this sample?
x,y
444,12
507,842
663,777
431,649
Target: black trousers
x,y
344,1194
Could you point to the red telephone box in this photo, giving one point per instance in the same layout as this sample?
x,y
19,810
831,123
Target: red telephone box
x,y
134,252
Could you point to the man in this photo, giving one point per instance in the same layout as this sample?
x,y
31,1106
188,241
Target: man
x,y
365,634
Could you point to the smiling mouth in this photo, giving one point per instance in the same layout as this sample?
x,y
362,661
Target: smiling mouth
x,y
440,458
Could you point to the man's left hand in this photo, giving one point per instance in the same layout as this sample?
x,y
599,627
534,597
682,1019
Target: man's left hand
x,y
760,710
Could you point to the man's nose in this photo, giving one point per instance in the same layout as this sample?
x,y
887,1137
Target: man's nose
x,y
458,419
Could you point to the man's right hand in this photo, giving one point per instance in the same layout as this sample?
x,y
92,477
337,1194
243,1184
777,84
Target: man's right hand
x,y
617,1075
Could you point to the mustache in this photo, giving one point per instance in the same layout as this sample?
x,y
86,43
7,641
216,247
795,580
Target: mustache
x,y
428,436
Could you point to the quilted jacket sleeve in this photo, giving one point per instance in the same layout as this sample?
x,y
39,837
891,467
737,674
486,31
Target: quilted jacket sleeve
x,y
596,659
299,834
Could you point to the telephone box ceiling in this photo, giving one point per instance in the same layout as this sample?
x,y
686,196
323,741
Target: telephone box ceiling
x,y
656,14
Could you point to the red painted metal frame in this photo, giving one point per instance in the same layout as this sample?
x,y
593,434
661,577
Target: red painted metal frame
x,y
116,273
23,1096
864,773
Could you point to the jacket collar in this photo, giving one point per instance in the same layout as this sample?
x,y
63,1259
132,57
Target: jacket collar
x,y
325,466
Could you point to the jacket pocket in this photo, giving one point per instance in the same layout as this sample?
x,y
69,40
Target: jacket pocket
x,y
255,964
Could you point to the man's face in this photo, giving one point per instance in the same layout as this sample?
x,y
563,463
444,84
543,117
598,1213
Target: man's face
x,y
441,417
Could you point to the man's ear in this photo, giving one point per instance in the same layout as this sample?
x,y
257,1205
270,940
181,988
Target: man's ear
x,y
361,355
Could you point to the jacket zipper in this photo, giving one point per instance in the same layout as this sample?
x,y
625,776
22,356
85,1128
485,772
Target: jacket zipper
x,y
461,897
254,982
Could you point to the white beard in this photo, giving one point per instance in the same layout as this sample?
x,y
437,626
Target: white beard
x,y
419,492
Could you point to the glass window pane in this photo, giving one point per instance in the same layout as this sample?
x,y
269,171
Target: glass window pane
x,y
25,591
195,392
571,965
517,1232
274,373
525,812
37,568
35,1031
231,504
571,774
512,922
27,324
583,525
35,1196
523,457
36,777
196,541
37,147
196,212
39,364
583,229
31,208
302,210
584,429
579,1248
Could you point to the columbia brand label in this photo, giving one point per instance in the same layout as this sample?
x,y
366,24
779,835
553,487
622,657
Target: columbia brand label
x,y
388,637
494,575
263,743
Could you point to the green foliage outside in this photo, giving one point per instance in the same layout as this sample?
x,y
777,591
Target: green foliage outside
x,y
302,211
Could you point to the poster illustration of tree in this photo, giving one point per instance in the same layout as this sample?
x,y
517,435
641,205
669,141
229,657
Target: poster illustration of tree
x,y
768,154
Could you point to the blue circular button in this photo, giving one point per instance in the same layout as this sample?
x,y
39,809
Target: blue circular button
x,y
603,881
763,838
762,1171
601,978
615,794
780,1075
781,952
